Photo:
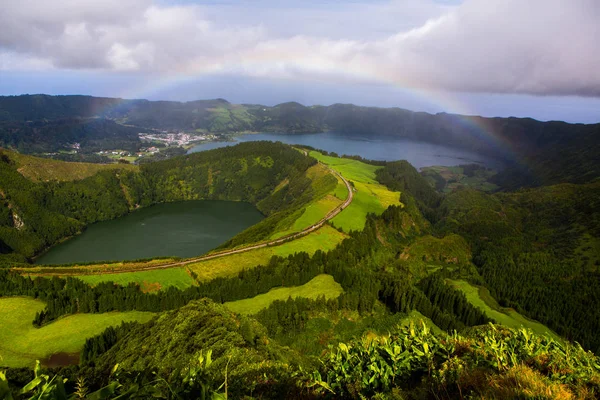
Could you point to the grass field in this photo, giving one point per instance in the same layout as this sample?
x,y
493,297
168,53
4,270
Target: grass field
x,y
324,239
315,212
150,281
481,299
21,344
369,196
45,169
353,170
321,285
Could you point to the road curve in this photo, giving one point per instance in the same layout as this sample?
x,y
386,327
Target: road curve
x,y
224,253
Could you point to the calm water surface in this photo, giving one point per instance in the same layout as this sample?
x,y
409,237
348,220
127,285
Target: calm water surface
x,y
419,154
183,229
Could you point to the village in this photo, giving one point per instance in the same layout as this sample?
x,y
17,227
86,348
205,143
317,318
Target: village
x,y
180,139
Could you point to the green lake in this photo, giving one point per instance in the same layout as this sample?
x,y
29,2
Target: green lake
x,y
183,229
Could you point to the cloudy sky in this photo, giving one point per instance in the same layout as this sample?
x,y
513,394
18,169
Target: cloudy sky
x,y
538,58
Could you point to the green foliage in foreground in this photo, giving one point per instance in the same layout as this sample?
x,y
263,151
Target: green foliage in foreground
x,y
412,362
487,362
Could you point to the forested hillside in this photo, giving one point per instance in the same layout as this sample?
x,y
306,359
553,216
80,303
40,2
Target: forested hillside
x,y
537,153
537,250
39,214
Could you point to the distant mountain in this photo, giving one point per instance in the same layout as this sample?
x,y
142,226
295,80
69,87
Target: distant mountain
x,y
537,152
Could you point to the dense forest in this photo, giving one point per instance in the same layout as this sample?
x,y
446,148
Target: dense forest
x,y
35,215
537,153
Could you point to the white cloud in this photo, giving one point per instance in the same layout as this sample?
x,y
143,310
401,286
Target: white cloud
x,y
500,46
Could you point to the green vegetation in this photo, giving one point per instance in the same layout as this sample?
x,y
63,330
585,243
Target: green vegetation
x,y
21,343
258,324
324,239
323,185
487,362
550,152
320,285
508,317
35,215
449,179
43,169
369,196
525,247
428,254
149,281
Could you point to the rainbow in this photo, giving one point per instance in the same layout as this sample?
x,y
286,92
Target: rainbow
x,y
442,100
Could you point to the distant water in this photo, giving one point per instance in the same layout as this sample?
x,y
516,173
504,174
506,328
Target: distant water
x,y
183,229
419,154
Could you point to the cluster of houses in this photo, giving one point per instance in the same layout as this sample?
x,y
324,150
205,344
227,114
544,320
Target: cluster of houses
x,y
114,153
175,138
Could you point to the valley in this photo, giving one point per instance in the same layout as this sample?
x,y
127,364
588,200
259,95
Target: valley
x,y
334,249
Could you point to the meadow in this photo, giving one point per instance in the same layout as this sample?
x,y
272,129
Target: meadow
x,y
320,285
149,281
369,196
328,196
40,169
326,238
21,344
481,299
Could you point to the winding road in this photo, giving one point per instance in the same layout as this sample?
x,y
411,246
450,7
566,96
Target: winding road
x,y
224,253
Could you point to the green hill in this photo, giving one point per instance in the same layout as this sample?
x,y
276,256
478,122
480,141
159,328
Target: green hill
x,y
537,153
39,214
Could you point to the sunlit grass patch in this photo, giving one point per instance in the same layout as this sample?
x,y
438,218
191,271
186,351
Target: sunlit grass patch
x,y
508,317
369,195
170,277
321,285
350,169
21,343
325,239
44,169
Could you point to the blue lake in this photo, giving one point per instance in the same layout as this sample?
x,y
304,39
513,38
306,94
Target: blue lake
x,y
419,154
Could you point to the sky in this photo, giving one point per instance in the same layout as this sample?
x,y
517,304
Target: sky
x,y
525,58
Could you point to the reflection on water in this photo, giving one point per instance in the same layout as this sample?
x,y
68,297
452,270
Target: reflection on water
x,y
419,154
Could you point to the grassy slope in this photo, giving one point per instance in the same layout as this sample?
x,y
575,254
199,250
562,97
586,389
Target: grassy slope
x,y
149,280
323,239
21,344
321,285
369,195
507,317
44,169
326,200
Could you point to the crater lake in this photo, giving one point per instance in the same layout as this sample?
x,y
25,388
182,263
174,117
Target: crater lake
x,y
183,229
